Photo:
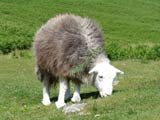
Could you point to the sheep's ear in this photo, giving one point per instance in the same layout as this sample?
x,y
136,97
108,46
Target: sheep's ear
x,y
119,72
93,70
116,70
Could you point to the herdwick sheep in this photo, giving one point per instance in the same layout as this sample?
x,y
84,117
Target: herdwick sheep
x,y
70,47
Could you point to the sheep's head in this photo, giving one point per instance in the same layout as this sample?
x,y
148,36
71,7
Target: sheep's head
x,y
105,75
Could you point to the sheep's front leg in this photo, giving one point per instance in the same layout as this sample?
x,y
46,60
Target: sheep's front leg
x,y
46,88
62,91
76,95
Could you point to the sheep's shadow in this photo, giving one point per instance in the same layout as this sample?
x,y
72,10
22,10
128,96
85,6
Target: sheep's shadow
x,y
93,95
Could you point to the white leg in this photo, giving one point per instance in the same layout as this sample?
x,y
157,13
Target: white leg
x,y
46,87
62,90
68,94
76,95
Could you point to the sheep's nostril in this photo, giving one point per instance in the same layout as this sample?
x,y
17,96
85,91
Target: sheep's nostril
x,y
108,94
103,94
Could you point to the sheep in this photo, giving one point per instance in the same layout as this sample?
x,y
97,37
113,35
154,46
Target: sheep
x,y
70,48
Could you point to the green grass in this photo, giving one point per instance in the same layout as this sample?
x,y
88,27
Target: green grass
x,y
131,30
135,98
125,23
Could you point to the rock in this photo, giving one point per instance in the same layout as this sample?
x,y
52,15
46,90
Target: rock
x,y
74,108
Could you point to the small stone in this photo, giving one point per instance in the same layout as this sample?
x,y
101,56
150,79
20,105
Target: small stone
x,y
97,115
74,108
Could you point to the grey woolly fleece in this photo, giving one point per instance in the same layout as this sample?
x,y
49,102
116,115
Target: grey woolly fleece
x,y
65,42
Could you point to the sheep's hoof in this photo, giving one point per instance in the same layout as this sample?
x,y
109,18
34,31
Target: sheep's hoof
x,y
76,98
46,102
60,104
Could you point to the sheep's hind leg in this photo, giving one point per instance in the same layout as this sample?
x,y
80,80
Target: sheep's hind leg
x,y
76,95
46,91
68,93
62,91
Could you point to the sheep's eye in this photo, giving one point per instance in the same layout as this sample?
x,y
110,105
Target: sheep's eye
x,y
101,77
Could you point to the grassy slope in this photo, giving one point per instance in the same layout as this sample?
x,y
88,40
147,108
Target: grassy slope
x,y
135,98
124,22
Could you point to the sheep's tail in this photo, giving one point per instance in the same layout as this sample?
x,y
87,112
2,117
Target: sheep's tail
x,y
41,76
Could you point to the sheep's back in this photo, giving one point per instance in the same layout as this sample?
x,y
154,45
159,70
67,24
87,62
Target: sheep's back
x,y
62,44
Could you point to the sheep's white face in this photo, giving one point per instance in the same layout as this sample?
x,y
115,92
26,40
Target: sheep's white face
x,y
105,76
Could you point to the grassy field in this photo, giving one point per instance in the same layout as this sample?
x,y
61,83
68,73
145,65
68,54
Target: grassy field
x,y
131,30
135,98
125,23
